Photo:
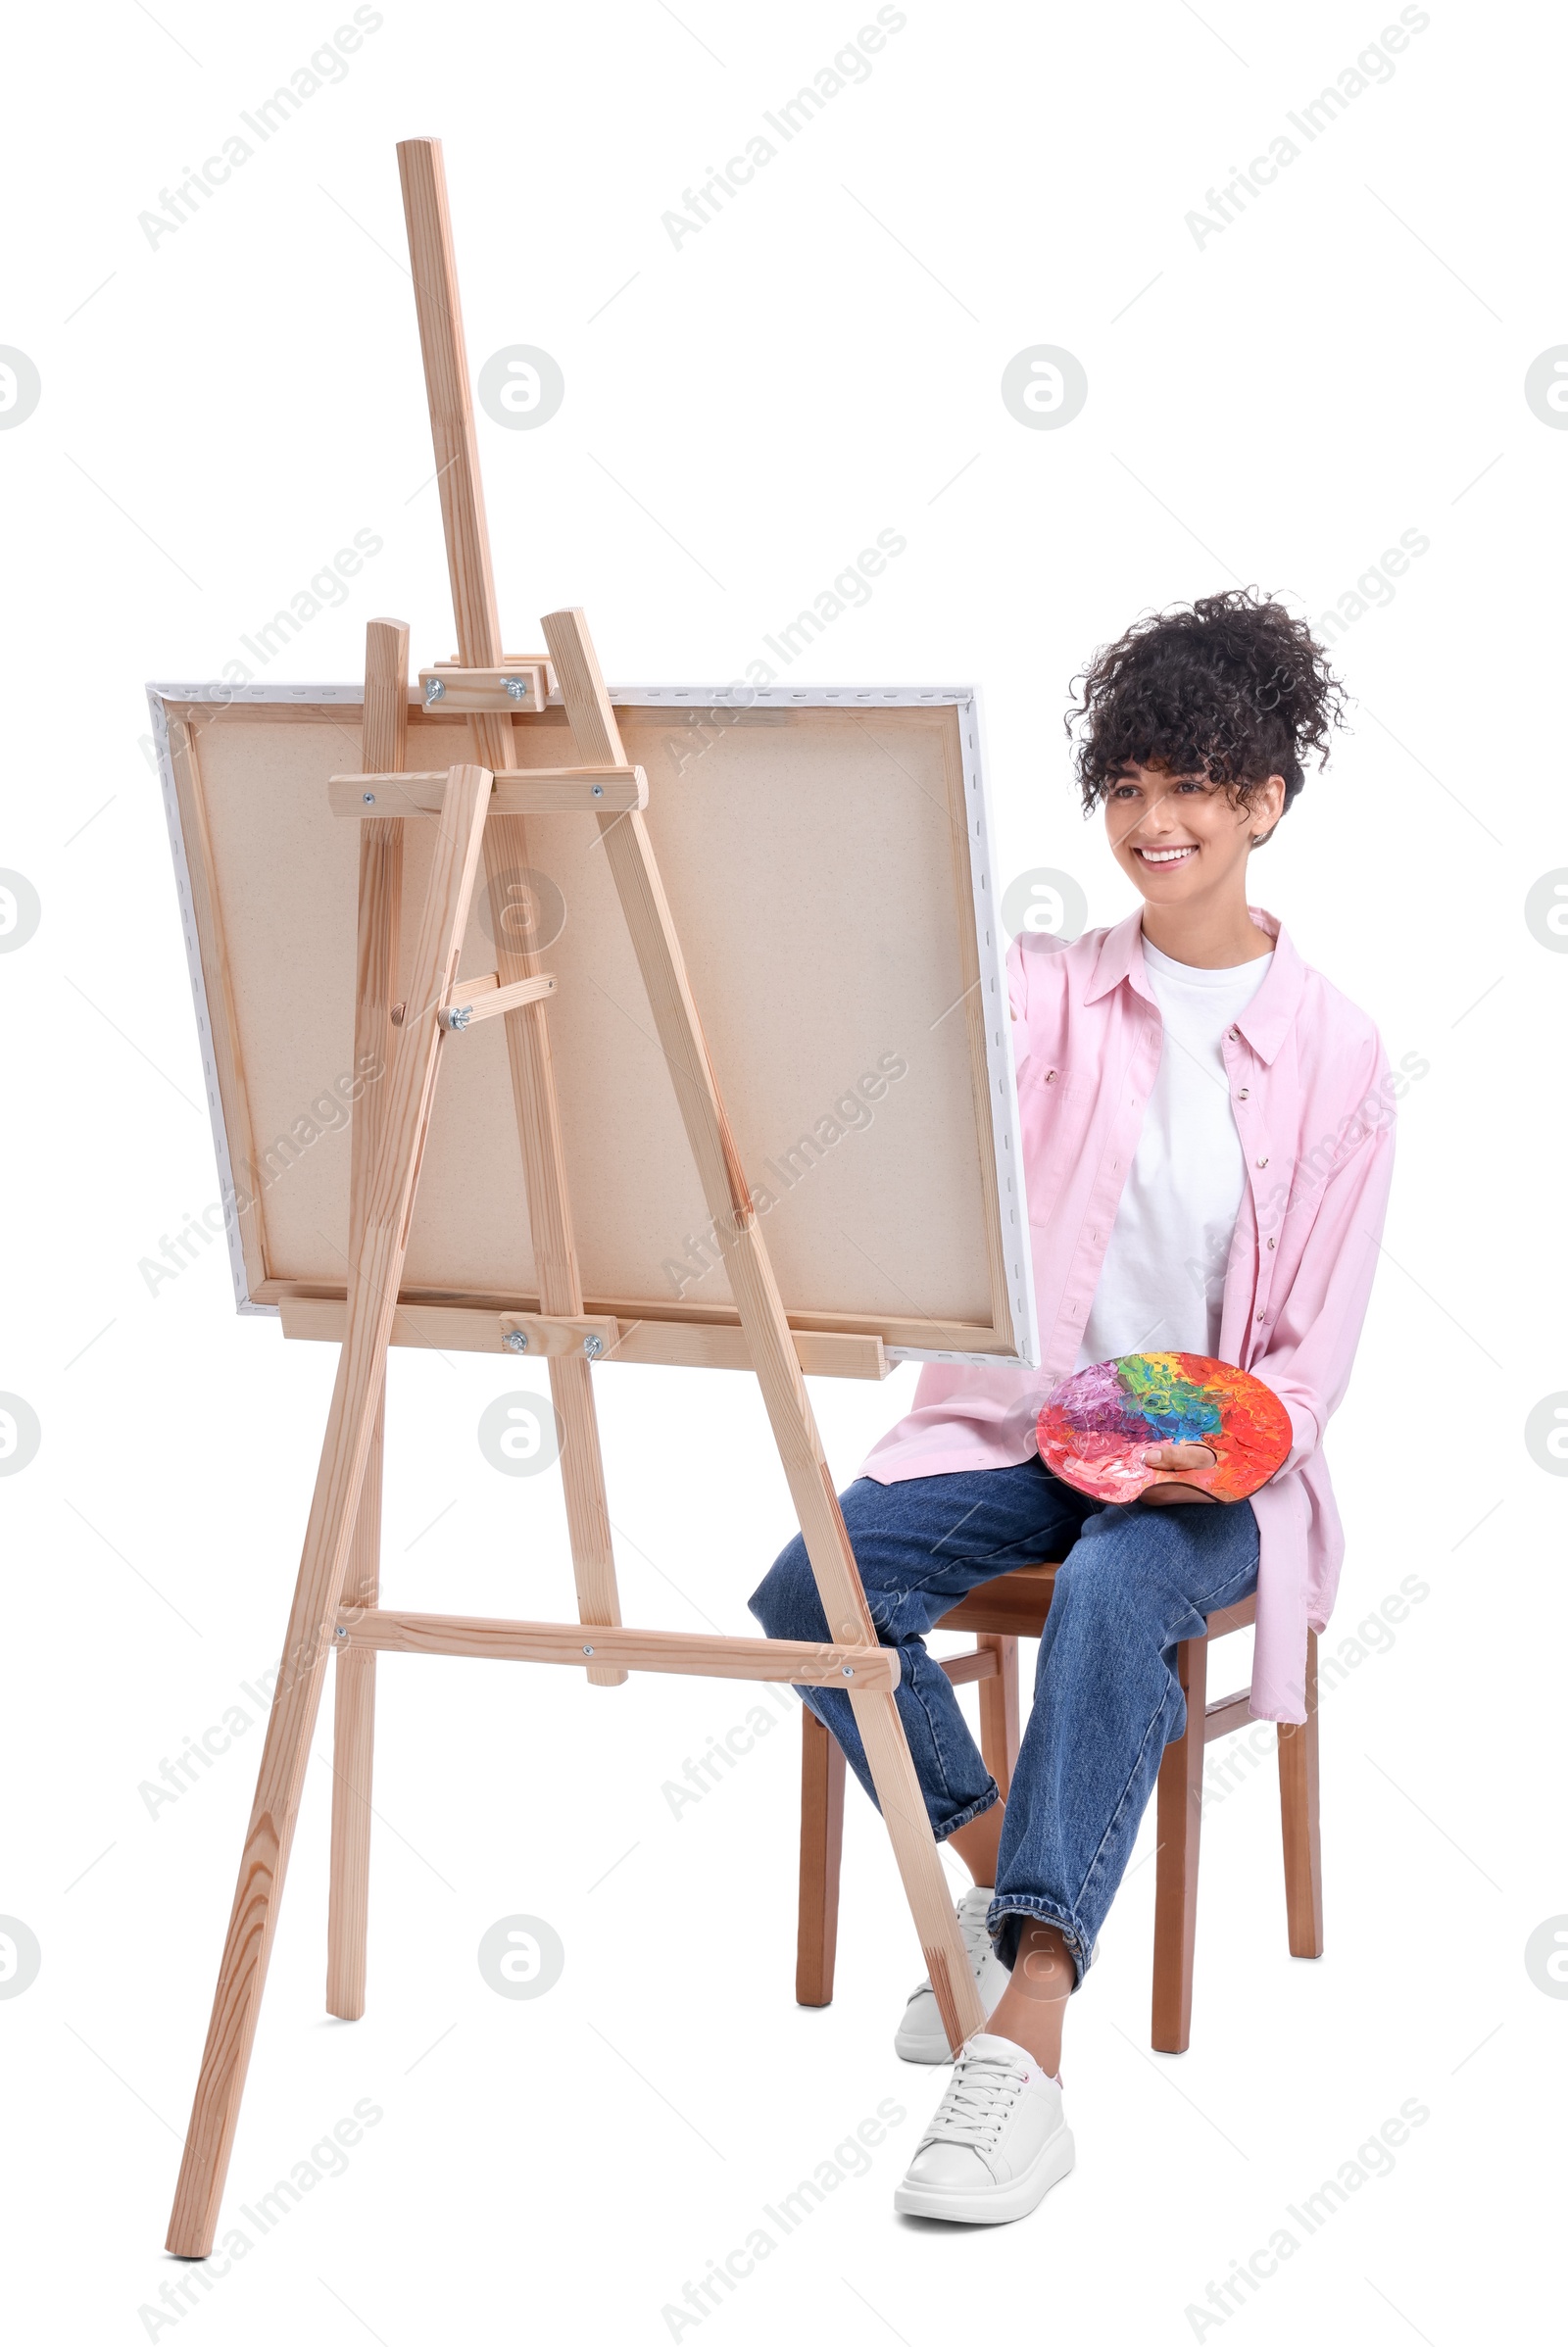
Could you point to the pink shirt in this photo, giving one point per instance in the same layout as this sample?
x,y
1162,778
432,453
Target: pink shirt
x,y
1313,1097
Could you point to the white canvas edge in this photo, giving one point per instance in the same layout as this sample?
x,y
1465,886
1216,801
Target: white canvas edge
x,y
156,696
993,975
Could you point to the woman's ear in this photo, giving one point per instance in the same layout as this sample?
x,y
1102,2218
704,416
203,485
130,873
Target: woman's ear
x,y
1273,797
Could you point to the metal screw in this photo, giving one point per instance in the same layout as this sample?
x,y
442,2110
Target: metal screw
x,y
368,796
849,1670
599,790
518,688
592,1346
516,1339
456,1020
435,690
587,1649
340,1631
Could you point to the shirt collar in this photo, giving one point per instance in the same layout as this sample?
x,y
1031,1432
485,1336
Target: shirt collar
x,y
1266,1020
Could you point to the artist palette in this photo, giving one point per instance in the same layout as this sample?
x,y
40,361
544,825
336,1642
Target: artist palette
x,y
1097,1425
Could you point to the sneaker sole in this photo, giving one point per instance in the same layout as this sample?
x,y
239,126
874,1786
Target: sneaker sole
x,y
1004,2206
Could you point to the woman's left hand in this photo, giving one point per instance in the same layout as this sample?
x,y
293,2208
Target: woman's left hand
x,y
1176,1457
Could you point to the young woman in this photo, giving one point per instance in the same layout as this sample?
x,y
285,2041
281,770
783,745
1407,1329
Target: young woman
x,y
1206,1129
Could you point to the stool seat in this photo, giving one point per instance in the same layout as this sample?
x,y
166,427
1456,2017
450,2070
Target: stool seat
x,y
999,1612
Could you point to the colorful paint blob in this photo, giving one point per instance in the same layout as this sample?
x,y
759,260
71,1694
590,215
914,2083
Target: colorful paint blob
x,y
1097,1425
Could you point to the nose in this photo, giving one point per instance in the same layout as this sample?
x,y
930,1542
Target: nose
x,y
1159,818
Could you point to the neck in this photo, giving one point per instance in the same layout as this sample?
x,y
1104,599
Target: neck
x,y
1205,936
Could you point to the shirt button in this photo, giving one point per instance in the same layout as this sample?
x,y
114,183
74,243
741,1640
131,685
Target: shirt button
x,y
1234,1035
1051,1075
1260,1316
1242,1093
1271,1243
1262,1161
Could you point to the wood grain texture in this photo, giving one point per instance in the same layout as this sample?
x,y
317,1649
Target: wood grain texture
x,y
965,1670
817,1939
998,1708
546,1337
482,999
542,791
324,1565
1179,1818
925,1886
1300,1823
1226,1716
466,689
473,603
348,1906
380,903
786,1662
1013,1605
1238,1616
446,379
668,1344
628,850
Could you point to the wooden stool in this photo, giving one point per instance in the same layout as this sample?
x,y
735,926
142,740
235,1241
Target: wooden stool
x,y
1015,1606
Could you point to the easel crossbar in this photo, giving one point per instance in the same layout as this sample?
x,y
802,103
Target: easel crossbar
x,y
788,1661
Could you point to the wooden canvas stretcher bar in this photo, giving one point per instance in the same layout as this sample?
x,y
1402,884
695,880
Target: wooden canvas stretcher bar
x,y
545,791
670,1343
906,1224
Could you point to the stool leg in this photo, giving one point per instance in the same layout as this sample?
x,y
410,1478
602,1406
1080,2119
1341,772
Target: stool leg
x,y
998,1711
1298,1821
821,1850
1177,1820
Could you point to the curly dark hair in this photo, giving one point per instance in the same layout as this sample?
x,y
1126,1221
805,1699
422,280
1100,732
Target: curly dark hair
x,y
1230,688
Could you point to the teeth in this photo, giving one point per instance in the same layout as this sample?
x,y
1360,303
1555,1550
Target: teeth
x,y
1163,855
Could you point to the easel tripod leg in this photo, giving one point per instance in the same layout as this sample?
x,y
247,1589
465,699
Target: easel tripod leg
x,y
384,736
353,1759
925,1886
374,1277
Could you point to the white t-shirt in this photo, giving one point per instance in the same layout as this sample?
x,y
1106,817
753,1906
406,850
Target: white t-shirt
x,y
1162,1282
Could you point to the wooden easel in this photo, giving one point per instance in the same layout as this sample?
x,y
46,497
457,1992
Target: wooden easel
x,y
480,811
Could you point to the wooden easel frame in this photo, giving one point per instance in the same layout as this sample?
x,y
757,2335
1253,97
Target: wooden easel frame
x,y
336,1608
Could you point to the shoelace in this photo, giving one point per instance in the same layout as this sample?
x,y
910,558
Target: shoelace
x,y
983,2090
976,1938
976,1945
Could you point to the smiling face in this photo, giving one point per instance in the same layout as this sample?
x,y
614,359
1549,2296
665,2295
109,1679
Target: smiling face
x,y
1179,839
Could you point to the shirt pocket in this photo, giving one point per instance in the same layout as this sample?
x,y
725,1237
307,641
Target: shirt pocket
x,y
1055,1109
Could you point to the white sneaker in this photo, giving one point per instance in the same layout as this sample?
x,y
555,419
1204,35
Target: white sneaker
x,y
921,2036
998,2143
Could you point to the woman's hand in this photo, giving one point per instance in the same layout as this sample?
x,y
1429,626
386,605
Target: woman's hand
x,y
1177,1457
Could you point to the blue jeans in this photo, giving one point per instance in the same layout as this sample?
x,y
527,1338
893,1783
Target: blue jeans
x,y
1134,1581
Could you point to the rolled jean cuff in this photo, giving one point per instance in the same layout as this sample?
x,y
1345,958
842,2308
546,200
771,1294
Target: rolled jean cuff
x,y
966,1817
1006,1914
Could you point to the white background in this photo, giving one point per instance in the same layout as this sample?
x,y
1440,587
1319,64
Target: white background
x,y
224,408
